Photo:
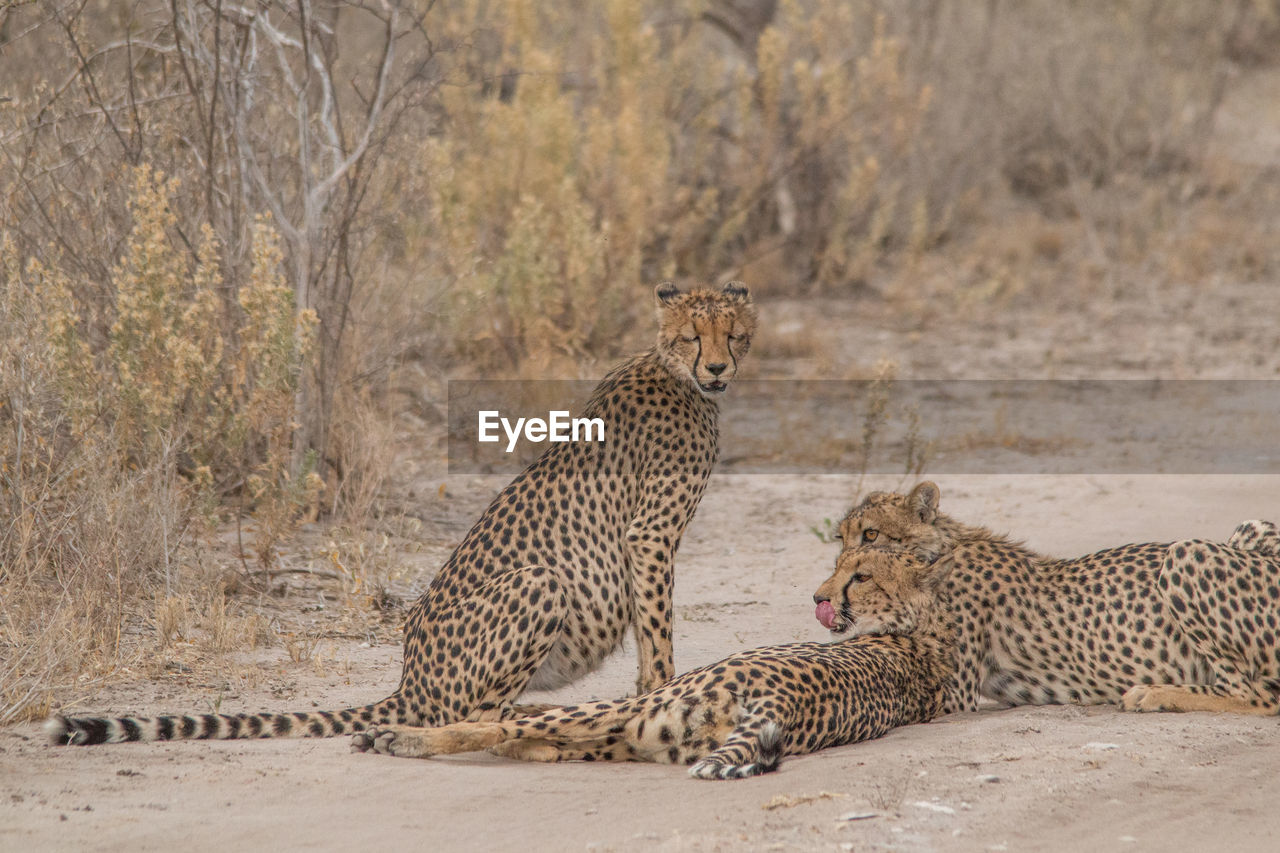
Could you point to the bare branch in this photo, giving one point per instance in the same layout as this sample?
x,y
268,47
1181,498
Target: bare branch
x,y
374,114
92,84
213,109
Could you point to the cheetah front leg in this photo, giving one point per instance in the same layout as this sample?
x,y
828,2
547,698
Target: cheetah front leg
x,y
650,553
610,748
417,742
1199,697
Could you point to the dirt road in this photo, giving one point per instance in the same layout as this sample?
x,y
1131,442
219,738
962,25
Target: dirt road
x,y
1057,778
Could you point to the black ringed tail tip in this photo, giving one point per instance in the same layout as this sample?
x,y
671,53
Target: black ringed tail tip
x,y
62,730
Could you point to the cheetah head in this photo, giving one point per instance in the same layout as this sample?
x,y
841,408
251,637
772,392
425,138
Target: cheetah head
x,y
888,521
878,592
703,333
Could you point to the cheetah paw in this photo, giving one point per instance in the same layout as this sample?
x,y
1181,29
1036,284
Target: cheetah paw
x,y
1143,697
386,741
362,741
373,740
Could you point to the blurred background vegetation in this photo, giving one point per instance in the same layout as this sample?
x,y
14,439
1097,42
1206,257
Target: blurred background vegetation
x,y
231,230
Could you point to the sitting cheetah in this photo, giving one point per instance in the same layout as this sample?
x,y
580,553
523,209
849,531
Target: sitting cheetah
x,y
1115,626
579,546
738,717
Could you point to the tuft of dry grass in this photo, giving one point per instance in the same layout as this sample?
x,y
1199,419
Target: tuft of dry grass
x,y
873,419
72,576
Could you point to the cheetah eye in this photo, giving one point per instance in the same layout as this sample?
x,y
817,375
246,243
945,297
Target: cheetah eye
x,y
859,577
736,337
870,535
688,339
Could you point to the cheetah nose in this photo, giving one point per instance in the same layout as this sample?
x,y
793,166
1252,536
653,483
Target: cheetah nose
x,y
818,598
717,368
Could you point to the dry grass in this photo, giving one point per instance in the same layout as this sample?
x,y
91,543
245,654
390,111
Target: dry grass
x,y
116,450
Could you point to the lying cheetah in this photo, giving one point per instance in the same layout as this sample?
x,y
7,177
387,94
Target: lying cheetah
x,y
1115,626
738,717
579,546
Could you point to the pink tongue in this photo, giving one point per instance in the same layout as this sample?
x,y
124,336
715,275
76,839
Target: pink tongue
x,y
826,614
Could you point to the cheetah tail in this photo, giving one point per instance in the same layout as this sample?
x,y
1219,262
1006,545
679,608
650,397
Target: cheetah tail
x,y
83,731
770,747
749,751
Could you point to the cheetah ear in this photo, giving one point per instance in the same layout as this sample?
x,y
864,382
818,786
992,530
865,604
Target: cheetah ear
x,y
736,290
932,574
666,292
871,498
923,501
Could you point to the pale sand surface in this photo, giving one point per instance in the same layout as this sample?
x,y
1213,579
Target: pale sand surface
x,y
1048,778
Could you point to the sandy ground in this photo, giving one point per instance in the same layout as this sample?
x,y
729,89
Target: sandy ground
x,y
1050,778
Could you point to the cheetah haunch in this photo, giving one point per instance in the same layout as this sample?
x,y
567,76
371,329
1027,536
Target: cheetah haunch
x,y
576,549
738,717
1192,626
1226,600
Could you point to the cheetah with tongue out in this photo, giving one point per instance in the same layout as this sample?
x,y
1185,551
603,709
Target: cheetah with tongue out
x,y
576,550
1186,626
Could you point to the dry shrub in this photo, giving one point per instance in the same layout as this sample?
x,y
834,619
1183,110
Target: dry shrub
x,y
112,446
368,561
225,627
914,449
615,147
362,544
185,381
156,371
206,620
1099,121
296,109
301,647
602,146
578,151
74,533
